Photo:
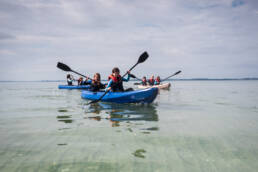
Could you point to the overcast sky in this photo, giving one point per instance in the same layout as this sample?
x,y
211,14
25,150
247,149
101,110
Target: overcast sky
x,y
203,38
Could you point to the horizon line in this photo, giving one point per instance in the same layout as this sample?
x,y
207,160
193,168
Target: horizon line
x,y
183,79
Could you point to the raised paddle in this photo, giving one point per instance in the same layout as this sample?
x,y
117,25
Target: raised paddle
x,y
66,68
171,75
135,77
141,59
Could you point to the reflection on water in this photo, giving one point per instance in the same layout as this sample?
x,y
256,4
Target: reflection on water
x,y
139,153
121,112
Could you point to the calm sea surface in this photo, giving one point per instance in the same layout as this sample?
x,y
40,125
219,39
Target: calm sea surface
x,y
195,126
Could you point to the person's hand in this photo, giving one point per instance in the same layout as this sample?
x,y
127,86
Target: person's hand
x,y
108,89
128,72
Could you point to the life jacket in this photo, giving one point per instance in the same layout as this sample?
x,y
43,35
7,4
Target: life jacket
x,y
69,81
117,84
96,86
151,81
115,79
144,82
157,81
80,81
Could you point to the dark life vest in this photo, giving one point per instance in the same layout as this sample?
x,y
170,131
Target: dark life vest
x,y
151,81
117,84
144,82
96,86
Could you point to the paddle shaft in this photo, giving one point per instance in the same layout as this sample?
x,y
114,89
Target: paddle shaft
x,y
80,74
171,75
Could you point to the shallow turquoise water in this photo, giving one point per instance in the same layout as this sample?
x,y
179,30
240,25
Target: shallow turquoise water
x,y
195,126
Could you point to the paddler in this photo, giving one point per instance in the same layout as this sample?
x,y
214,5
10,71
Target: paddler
x,y
95,83
80,81
151,80
144,81
157,81
69,79
116,81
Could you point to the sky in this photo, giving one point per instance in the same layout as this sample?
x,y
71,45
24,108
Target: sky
x,y
202,38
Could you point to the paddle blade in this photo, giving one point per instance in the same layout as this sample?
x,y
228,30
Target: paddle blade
x,y
94,101
177,72
63,66
143,57
133,76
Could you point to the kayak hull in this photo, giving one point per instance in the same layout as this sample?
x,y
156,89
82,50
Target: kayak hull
x,y
161,86
70,87
137,96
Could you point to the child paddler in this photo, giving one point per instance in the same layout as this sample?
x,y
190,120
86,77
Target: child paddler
x,y
80,81
115,83
95,83
144,81
69,79
157,81
151,81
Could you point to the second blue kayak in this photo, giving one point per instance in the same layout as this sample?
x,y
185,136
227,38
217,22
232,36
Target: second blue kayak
x,y
69,87
137,96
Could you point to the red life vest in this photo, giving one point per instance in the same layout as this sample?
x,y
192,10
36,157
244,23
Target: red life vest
x,y
115,79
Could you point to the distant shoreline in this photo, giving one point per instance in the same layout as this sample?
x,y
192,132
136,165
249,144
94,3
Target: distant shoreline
x,y
193,79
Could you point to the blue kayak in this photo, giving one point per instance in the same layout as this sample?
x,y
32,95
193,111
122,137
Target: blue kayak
x,y
139,96
73,86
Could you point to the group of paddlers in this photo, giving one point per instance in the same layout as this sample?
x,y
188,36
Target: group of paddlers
x,y
115,81
151,81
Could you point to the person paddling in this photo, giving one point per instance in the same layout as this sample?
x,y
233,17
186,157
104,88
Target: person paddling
x,y
151,80
80,81
95,83
116,81
69,79
157,81
144,81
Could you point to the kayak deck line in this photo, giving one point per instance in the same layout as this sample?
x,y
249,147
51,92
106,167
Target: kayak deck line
x,y
70,87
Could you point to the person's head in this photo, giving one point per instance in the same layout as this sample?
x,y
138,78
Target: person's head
x,y
152,76
116,71
80,79
144,78
97,77
68,76
158,78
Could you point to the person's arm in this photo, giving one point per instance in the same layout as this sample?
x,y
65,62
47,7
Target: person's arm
x,y
109,84
126,79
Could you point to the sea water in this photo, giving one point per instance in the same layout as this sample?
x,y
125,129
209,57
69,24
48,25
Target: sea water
x,y
194,126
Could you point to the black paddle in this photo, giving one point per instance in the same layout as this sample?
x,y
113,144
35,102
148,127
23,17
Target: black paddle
x,y
66,68
171,75
141,59
135,77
